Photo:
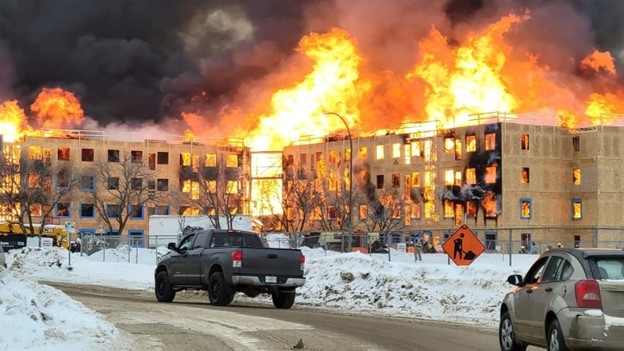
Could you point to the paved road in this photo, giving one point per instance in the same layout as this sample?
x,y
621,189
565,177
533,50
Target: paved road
x,y
190,323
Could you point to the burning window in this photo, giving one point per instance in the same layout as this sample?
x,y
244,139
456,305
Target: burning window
x,y
136,211
185,159
380,152
363,211
39,153
231,161
449,144
471,143
459,214
449,207
396,180
136,184
407,182
428,179
88,155
471,176
35,210
524,175
524,142
136,156
396,150
577,208
151,161
490,174
162,158
347,155
63,154
449,177
211,160
211,186
415,179
364,153
526,207
458,149
113,155
87,183
162,184
427,150
113,183
576,176
11,154
415,210
331,212
333,157
576,143
489,205
232,187
195,190
331,181
380,181
62,209
430,210
458,178
415,146
34,180
407,157
490,141
471,209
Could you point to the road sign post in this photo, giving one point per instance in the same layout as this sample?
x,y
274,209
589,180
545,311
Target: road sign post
x,y
463,247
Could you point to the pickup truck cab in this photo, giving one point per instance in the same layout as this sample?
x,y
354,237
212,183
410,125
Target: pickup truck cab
x,y
224,262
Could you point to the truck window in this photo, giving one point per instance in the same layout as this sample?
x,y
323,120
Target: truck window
x,y
185,244
201,240
252,240
217,240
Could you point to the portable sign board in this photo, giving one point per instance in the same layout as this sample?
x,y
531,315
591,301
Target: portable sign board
x,y
463,246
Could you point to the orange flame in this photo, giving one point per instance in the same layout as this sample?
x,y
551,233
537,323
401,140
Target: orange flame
x,y
189,136
12,121
56,108
330,86
599,61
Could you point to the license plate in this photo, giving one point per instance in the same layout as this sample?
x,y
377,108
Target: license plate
x,y
271,279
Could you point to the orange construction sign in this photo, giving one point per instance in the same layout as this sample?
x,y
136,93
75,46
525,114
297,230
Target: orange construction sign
x,y
463,246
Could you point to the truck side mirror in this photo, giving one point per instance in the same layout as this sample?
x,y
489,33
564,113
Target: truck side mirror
x,y
172,246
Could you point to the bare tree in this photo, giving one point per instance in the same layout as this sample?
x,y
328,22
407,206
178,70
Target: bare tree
x,y
215,187
300,197
384,210
34,189
123,189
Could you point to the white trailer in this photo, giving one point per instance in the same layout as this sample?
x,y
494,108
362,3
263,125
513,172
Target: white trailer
x,y
164,229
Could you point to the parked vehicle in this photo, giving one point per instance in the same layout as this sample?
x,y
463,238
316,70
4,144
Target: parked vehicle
x,y
570,299
224,262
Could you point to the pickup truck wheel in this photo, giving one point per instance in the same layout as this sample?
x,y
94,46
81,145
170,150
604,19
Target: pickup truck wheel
x,y
220,293
283,300
163,290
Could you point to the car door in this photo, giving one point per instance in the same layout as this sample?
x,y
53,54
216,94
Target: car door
x,y
543,295
177,261
523,297
193,259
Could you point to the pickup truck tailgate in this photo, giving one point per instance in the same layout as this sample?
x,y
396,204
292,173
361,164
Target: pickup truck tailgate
x,y
281,262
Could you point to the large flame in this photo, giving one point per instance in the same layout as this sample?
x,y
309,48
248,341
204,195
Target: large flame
x,y
57,108
12,121
331,86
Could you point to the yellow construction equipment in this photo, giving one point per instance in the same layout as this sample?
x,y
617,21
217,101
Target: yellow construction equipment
x,y
60,237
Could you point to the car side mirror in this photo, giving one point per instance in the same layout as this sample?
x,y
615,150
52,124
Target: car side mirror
x,y
172,246
515,279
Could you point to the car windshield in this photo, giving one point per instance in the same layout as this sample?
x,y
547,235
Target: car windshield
x,y
610,268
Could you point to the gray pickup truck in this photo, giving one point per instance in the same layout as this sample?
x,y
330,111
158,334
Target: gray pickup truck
x,y
224,262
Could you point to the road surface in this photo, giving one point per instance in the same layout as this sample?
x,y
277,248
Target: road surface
x,y
191,323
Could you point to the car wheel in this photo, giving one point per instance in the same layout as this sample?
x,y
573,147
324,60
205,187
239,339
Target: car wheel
x,y
220,293
283,299
506,335
555,337
163,289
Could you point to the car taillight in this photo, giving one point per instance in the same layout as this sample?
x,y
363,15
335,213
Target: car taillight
x,y
587,294
237,259
302,261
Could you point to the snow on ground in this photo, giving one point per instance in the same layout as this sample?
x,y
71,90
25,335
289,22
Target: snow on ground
x,y
43,318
